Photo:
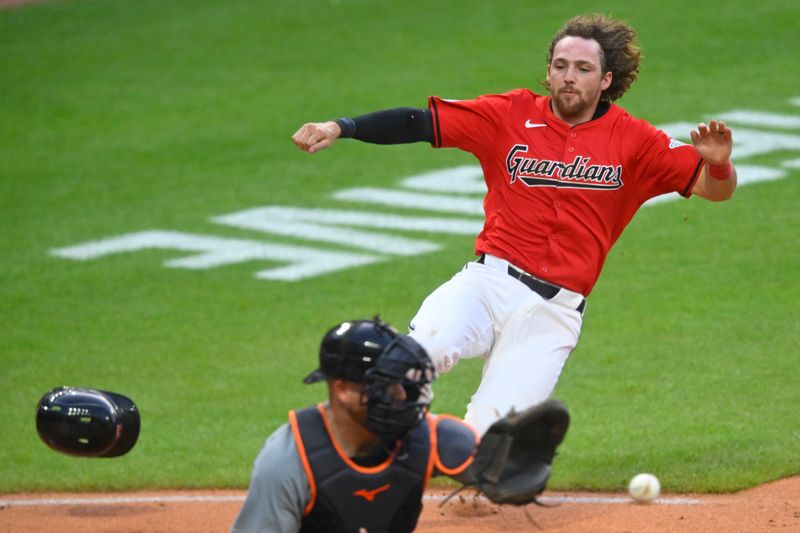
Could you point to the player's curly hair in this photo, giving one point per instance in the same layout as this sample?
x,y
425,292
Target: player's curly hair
x,y
620,55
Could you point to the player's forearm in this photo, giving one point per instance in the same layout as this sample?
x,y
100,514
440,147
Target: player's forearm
x,y
391,126
717,182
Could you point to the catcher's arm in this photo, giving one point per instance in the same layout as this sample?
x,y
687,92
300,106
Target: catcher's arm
x,y
456,447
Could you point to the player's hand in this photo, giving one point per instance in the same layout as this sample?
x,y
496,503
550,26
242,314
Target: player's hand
x,y
316,136
714,142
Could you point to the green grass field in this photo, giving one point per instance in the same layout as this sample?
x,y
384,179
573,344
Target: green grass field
x,y
130,116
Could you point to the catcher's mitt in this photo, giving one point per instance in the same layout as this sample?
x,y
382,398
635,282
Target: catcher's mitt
x,y
512,464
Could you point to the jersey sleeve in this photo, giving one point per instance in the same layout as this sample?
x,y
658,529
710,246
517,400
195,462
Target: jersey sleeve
x,y
279,488
456,442
665,164
470,125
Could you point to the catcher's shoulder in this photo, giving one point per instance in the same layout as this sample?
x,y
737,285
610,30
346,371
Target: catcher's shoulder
x,y
455,442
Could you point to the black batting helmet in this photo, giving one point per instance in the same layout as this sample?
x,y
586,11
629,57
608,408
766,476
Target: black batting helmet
x,y
398,388
349,349
87,422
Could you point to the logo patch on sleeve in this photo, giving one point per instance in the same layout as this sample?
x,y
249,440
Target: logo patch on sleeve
x,y
675,143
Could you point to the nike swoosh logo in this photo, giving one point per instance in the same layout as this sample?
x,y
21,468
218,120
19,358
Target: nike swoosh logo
x,y
529,124
369,495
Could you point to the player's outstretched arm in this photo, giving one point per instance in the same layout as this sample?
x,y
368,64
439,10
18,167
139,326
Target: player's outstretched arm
x,y
392,126
315,136
714,143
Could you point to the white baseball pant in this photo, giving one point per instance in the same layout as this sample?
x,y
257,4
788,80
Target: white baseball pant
x,y
525,339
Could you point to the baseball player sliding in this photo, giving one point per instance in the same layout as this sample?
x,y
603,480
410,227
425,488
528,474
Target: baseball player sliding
x,y
565,174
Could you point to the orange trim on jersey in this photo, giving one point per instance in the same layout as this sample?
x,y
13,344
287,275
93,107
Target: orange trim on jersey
x,y
463,466
362,469
433,454
301,450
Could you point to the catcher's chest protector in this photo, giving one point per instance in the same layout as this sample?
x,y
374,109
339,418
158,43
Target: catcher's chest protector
x,y
346,497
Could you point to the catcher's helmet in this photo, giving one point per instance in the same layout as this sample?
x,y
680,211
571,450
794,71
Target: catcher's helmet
x,y
398,388
350,349
87,422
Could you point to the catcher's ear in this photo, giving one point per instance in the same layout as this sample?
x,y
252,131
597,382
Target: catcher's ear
x,y
337,386
344,392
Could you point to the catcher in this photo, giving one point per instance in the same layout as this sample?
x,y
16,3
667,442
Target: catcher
x,y
360,461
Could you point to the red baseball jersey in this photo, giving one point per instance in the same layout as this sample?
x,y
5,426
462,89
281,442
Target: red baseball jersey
x,y
559,196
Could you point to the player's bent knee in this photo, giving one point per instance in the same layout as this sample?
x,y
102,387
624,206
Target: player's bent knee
x,y
444,356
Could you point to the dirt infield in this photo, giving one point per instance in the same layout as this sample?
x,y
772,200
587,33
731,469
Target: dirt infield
x,y
770,507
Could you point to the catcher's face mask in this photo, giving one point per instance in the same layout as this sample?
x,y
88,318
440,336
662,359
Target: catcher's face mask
x,y
397,390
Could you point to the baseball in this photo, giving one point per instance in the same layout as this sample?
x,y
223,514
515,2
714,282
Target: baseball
x,y
644,488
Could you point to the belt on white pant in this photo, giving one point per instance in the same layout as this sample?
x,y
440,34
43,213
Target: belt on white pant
x,y
546,290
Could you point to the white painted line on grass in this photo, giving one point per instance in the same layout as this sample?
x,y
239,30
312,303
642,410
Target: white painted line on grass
x,y
119,500
550,500
619,499
122,500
